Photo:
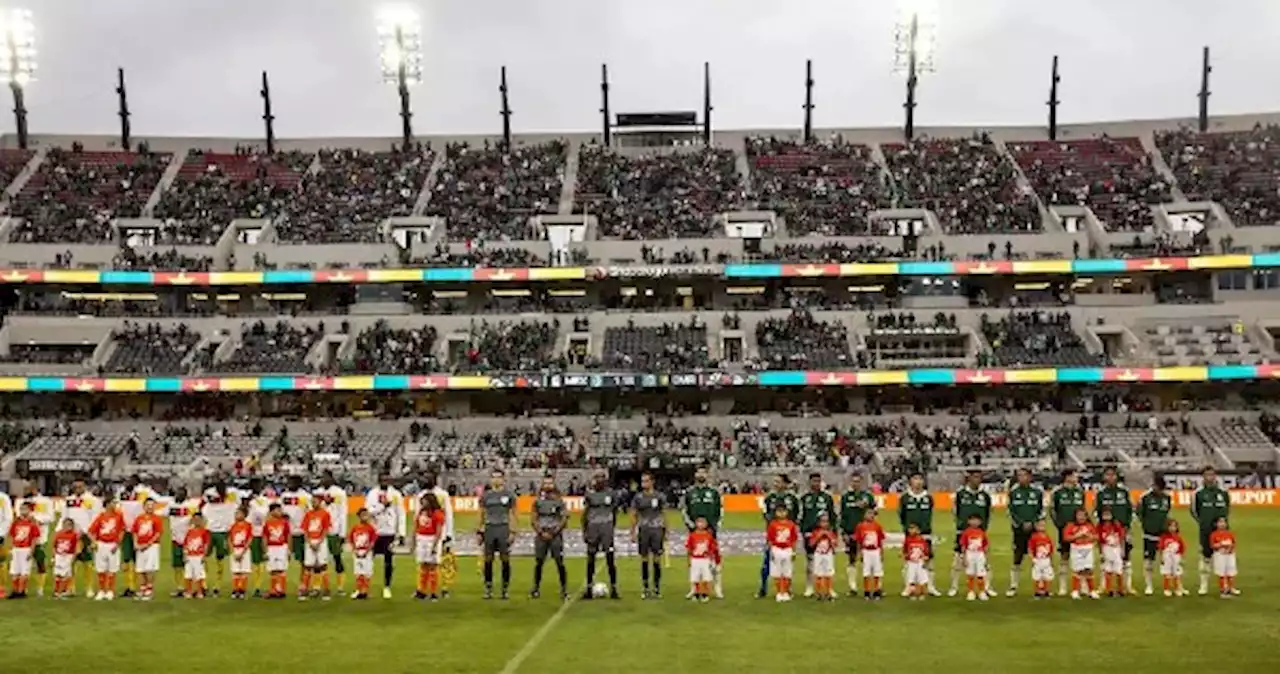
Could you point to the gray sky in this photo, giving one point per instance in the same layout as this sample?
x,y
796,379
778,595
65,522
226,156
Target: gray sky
x,y
193,65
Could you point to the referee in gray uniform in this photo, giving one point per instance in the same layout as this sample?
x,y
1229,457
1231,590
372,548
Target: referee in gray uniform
x,y
550,516
497,506
599,517
649,532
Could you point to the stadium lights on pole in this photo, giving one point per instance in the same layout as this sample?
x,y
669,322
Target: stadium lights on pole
x,y
400,41
18,61
915,39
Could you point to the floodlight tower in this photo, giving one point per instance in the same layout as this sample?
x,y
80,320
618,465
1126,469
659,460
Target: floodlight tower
x,y
400,40
914,40
18,62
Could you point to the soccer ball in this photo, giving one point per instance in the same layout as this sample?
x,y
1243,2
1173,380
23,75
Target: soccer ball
x,y
599,590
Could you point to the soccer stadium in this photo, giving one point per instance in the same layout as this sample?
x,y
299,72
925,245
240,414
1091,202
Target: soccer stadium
x,y
967,398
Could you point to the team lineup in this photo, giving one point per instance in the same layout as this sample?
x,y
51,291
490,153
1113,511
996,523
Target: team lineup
x,y
258,535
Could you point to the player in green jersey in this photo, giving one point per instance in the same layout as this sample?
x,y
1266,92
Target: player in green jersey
x,y
703,500
1153,514
1026,507
1209,503
854,503
915,506
970,501
781,496
813,505
1066,500
1115,496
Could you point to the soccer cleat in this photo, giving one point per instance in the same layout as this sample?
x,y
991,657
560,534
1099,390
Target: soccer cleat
x,y
808,592
906,592
419,595
984,596
1094,595
127,594
1148,591
761,594
1203,590
613,593
535,594
1168,593
970,597
990,593
657,594
505,595
587,596
302,597
933,592
953,592
719,593
691,595
1075,594
780,598
705,599
386,593
1011,592
1234,592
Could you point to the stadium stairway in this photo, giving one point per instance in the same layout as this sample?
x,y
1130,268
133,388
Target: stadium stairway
x,y
1161,166
570,185
166,181
21,179
428,186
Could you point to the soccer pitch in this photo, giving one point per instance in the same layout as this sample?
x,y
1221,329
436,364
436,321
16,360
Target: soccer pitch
x,y
467,634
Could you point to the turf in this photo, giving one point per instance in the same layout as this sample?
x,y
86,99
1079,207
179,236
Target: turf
x,y
466,634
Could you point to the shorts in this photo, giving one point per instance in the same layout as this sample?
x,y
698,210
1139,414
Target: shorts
x,y
147,560
1224,564
1206,550
651,541
1042,569
86,549
543,547
335,546
975,564
700,570
20,562
598,539
384,545
824,564
850,546
106,559
177,558
128,553
808,547
781,561
41,558
257,551
1171,565
218,545
872,563
1081,558
1150,547
277,558
315,554
1021,544
1064,547
363,565
63,565
916,574
193,568
241,562
298,547
497,541
426,550
1112,559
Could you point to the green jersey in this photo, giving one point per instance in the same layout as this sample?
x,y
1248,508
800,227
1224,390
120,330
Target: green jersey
x,y
969,502
812,505
1210,503
1153,512
854,505
1116,498
1065,502
1026,505
916,509
781,498
702,501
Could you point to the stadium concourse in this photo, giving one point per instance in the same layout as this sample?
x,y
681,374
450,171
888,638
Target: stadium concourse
x,y
976,305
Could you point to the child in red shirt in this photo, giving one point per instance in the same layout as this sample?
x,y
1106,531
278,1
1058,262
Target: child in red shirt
x,y
915,555
869,536
703,552
1171,548
781,536
974,545
823,541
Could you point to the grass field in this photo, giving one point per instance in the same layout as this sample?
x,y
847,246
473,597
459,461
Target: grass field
x,y
466,634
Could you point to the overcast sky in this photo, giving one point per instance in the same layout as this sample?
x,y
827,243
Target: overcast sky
x,y
193,65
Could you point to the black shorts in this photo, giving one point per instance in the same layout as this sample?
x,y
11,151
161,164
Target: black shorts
x,y
543,547
850,545
651,541
385,545
1064,548
497,541
1206,550
1021,543
808,546
1150,548
598,539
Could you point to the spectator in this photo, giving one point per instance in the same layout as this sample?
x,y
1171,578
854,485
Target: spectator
x,y
489,193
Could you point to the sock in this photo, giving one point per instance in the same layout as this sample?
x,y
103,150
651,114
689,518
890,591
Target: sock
x,y
537,573
644,573
777,586
1204,574
1062,573
612,565
1128,575
719,576
488,573
506,574
657,576
324,581
764,572
1089,581
591,569
933,580
305,586
955,574
1013,576
808,575
422,579
564,574
1148,568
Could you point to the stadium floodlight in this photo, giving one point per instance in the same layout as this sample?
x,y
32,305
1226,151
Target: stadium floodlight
x,y
18,61
915,37
400,45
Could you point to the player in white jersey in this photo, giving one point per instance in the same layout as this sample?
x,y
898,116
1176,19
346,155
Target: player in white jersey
x,y
388,507
81,507
219,510
180,509
45,511
259,505
6,521
296,501
134,494
336,502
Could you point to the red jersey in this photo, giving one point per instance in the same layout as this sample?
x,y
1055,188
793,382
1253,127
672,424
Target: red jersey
x,y
782,534
429,523
1222,541
1040,545
65,542
1171,543
276,531
315,524
915,549
702,545
869,535
974,539
25,534
823,541
1111,533
147,530
1081,535
196,543
362,538
240,535
107,527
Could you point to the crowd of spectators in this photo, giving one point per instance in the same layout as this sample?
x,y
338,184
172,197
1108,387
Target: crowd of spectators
x,y
510,346
346,200
479,255
383,349
968,184
1029,338
833,252
166,260
281,347
661,348
1239,170
823,188
800,341
74,195
909,322
660,196
150,349
49,354
212,189
489,193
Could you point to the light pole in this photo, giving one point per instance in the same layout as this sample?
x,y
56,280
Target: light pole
x,y
914,40
18,62
400,42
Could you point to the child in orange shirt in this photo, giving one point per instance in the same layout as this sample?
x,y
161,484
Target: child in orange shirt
x,y
1041,547
823,541
781,536
1082,535
316,524
1223,544
915,554
1111,534
869,536
66,547
703,552
147,530
974,545
25,535
1172,548
277,535
363,536
106,531
240,540
195,546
